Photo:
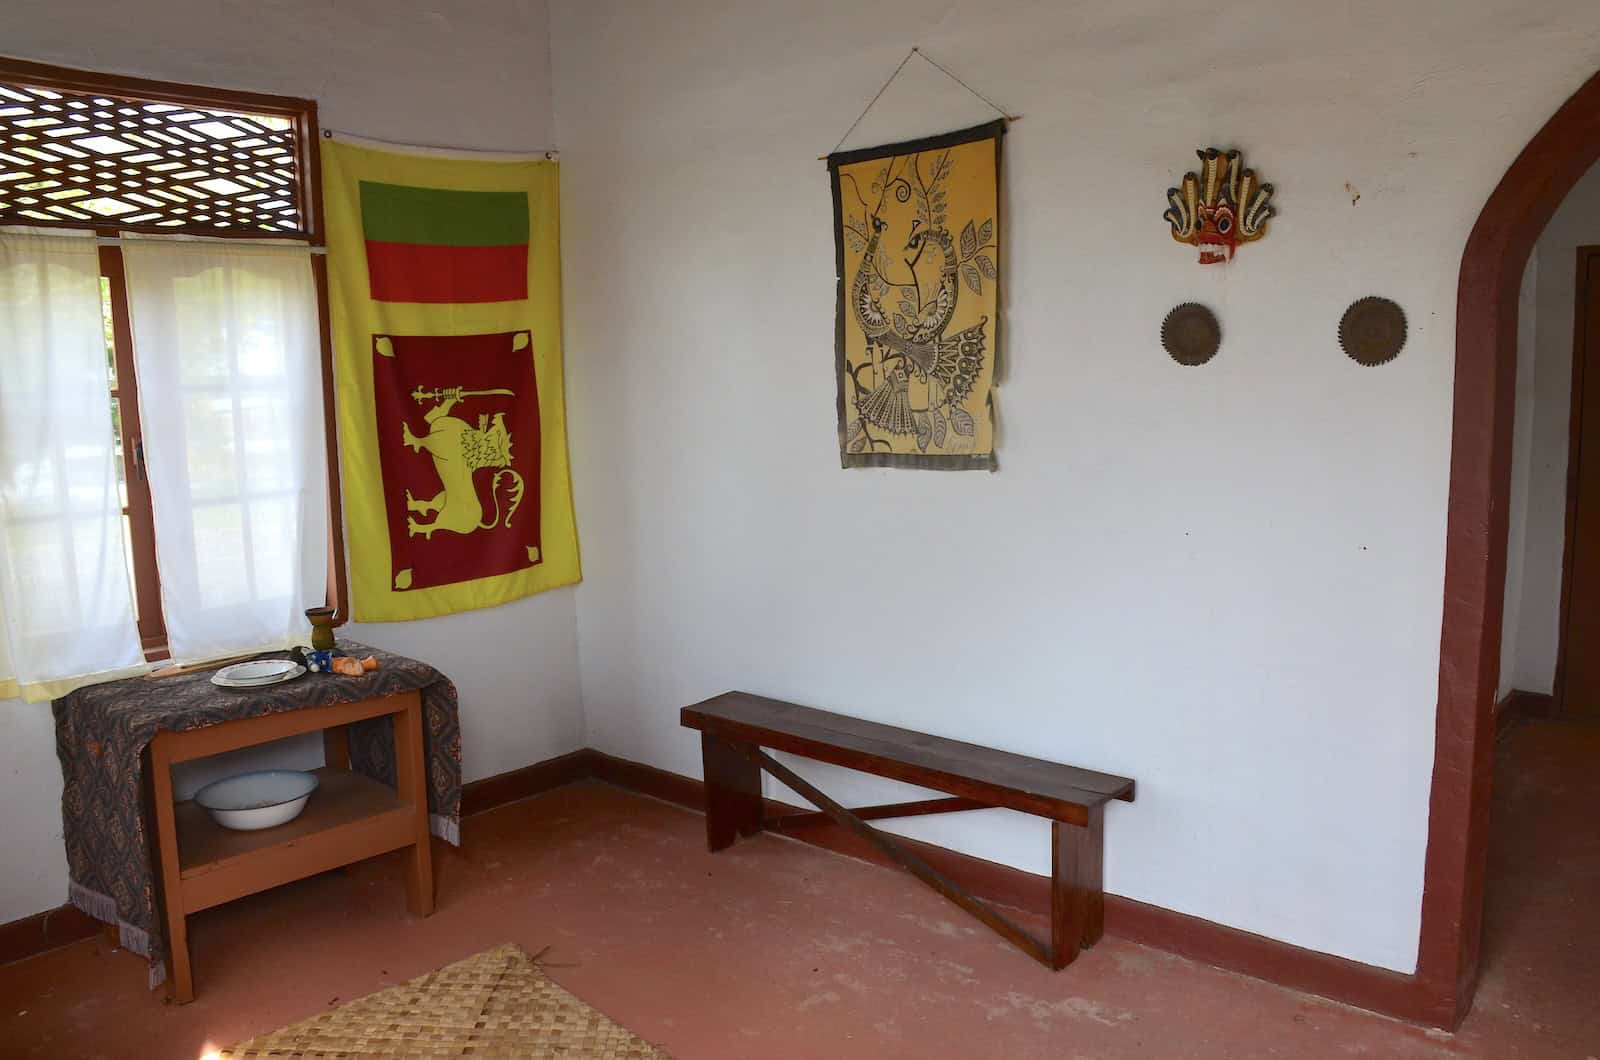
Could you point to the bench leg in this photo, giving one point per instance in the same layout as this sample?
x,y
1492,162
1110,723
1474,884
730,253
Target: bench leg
x,y
1077,889
733,792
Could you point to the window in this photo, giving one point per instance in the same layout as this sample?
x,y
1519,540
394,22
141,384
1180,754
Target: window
x,y
124,156
78,153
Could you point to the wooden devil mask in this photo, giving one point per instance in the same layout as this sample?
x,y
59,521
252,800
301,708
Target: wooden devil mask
x,y
1219,207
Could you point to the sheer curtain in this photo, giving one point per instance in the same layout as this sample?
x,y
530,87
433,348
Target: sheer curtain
x,y
66,601
226,347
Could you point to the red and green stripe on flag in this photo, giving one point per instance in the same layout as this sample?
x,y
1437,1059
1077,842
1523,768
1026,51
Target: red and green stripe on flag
x,y
442,246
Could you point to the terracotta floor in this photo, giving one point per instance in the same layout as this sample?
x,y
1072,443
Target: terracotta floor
x,y
1541,949
776,949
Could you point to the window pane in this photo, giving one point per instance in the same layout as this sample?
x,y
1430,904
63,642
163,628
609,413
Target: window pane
x,y
208,434
110,330
218,534
116,442
275,527
127,554
40,550
227,353
66,590
270,444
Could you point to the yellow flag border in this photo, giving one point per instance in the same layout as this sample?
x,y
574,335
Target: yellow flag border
x,y
354,318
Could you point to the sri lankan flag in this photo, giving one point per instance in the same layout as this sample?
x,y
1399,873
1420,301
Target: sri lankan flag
x,y
444,280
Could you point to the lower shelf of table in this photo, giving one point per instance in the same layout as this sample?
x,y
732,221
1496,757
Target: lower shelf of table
x,y
349,817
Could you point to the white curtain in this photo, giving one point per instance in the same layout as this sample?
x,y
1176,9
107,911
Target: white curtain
x,y
226,347
66,601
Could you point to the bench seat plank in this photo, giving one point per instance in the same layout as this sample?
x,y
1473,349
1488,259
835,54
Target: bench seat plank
x,y
999,778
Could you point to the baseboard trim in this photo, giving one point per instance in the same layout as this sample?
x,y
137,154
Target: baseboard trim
x,y
45,931
1310,971
1519,705
480,795
1336,978
1204,941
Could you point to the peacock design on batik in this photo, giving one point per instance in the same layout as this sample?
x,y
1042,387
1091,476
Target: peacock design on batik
x,y
912,342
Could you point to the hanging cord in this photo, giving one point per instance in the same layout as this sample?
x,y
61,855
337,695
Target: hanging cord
x,y
992,104
924,57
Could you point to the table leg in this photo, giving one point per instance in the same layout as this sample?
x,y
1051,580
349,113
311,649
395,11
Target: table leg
x,y
180,980
1077,888
733,792
336,747
411,780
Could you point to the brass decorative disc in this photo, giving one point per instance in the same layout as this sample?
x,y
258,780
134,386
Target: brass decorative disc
x,y
1372,331
1190,333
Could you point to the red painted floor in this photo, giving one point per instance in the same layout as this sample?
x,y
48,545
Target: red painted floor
x,y
776,949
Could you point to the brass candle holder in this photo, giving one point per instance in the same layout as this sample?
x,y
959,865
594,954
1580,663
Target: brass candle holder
x,y
321,619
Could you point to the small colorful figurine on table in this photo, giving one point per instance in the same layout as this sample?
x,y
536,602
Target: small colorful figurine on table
x,y
323,662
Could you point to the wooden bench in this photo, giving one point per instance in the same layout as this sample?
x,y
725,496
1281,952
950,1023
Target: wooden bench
x,y
735,726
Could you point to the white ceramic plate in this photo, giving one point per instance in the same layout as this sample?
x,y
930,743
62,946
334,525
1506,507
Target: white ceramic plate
x,y
257,670
257,673
252,801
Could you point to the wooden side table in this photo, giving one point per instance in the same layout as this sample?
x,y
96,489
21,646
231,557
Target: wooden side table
x,y
350,818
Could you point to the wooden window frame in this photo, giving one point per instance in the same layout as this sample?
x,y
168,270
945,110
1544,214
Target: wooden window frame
x,y
141,517
302,113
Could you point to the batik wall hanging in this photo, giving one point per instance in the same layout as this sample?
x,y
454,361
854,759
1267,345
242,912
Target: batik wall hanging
x,y
444,284
917,243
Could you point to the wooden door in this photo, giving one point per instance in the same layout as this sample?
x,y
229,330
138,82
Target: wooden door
x,y
1580,642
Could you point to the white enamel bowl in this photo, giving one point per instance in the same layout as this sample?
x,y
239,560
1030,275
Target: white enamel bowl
x,y
252,801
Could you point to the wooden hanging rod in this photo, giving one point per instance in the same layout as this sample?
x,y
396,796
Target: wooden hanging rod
x,y
1009,118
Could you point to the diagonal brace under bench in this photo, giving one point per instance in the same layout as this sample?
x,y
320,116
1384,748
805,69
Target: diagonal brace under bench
x,y
736,726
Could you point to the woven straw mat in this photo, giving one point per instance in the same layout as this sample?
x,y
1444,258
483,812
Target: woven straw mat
x,y
496,1005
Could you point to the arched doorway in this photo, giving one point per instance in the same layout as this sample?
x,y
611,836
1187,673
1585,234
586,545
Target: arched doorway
x,y
1475,545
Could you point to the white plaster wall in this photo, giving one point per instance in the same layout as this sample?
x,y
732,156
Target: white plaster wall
x,y
1223,581
1521,472
1544,412
472,75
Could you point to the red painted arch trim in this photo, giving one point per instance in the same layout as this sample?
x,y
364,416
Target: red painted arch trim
x,y
1475,544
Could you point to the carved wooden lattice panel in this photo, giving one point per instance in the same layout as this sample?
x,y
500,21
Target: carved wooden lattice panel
x,y
89,160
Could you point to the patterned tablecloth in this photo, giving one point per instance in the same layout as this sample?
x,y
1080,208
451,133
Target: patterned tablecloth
x,y
102,731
